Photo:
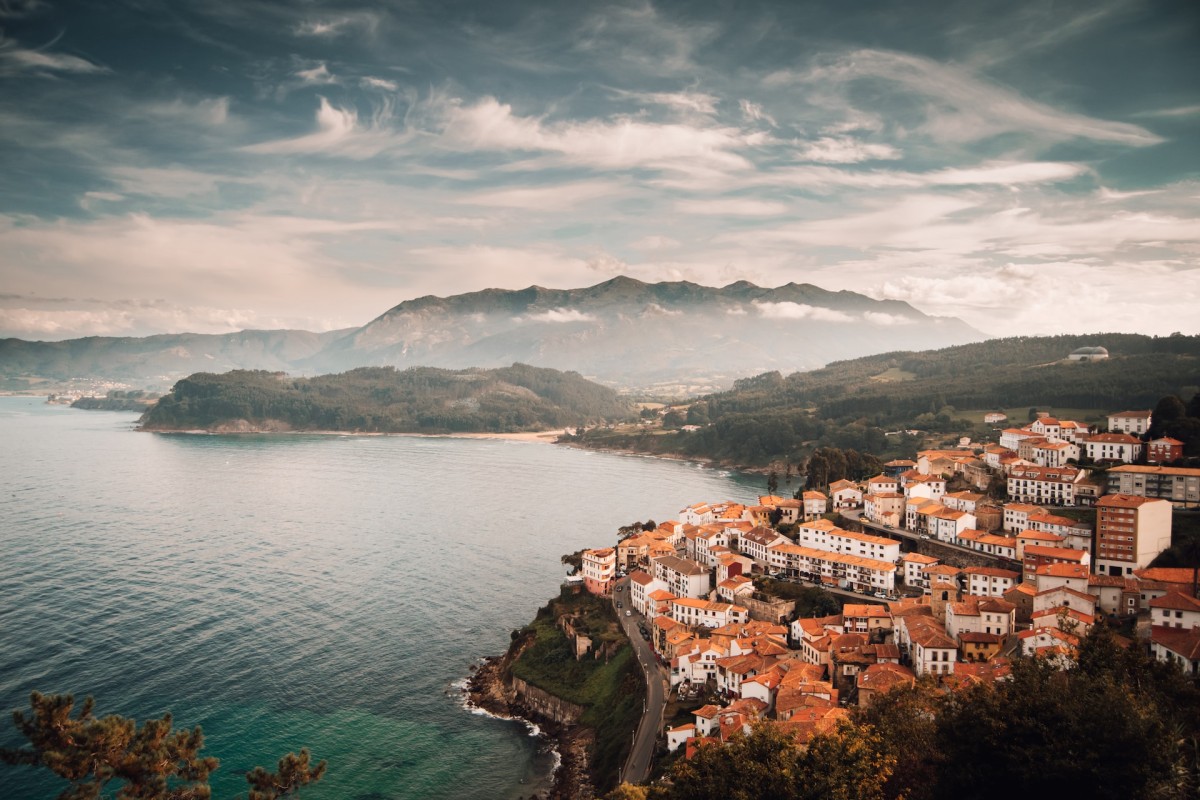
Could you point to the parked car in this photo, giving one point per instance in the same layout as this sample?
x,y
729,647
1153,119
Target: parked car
x,y
924,535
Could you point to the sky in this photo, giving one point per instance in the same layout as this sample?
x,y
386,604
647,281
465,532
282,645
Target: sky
x,y
215,165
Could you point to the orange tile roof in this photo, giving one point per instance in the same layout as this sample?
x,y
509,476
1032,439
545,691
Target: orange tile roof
x,y
1176,601
1064,553
1064,570
1166,574
1125,501
1178,640
992,572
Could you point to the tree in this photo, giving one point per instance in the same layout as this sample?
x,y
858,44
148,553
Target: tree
x,y
151,762
1193,406
628,791
1186,430
772,482
1168,409
574,561
906,721
674,419
294,771
849,763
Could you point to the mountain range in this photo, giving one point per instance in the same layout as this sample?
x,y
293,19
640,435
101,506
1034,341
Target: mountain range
x,y
673,337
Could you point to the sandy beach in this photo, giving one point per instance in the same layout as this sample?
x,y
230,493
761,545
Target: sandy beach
x,y
543,437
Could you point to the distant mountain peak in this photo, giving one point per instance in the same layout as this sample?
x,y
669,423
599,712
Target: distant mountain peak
x,y
674,336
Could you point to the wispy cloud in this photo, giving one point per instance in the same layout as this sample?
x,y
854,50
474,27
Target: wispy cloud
x,y
801,311
335,26
208,111
960,106
696,102
733,206
640,37
621,142
1177,111
548,198
755,112
379,83
885,319
15,58
559,315
844,150
340,132
316,76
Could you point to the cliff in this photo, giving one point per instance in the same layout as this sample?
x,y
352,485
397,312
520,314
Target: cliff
x,y
571,672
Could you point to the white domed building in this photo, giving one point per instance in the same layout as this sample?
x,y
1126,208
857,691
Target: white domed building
x,y
1089,354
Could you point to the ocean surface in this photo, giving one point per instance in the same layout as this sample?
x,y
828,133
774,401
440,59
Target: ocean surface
x,y
290,591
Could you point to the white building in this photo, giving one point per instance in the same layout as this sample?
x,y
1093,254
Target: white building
x,y
914,566
1113,447
1053,486
824,535
845,494
683,577
931,650
990,543
1177,646
884,508
990,581
815,504
882,483
641,585
1016,516
706,613
962,501
1134,422
1054,454
1175,610
1010,439
848,571
599,569
946,525
754,544
1130,532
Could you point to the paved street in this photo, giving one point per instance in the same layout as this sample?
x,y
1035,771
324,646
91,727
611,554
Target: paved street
x,y
637,766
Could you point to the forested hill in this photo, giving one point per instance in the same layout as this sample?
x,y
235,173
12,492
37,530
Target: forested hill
x,y
998,373
851,404
386,400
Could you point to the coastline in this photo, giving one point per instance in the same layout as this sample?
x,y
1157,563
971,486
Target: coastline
x,y
699,462
541,437
485,692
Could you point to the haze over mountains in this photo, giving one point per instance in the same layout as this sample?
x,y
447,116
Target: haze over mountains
x,y
670,336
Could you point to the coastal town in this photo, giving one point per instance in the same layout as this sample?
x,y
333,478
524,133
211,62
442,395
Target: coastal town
x,y
948,566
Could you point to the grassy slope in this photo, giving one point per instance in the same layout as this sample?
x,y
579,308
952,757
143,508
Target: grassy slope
x,y
611,690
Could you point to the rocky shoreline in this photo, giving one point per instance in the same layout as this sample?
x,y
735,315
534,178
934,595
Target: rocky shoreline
x,y
487,690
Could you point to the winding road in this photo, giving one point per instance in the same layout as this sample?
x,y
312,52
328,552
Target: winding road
x,y
637,766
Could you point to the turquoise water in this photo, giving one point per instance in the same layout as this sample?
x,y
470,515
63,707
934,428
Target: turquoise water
x,y
320,591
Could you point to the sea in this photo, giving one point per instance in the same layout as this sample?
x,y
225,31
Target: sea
x,y
288,591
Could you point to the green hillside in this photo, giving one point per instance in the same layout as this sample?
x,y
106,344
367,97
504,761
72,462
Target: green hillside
x,y
386,400
867,403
